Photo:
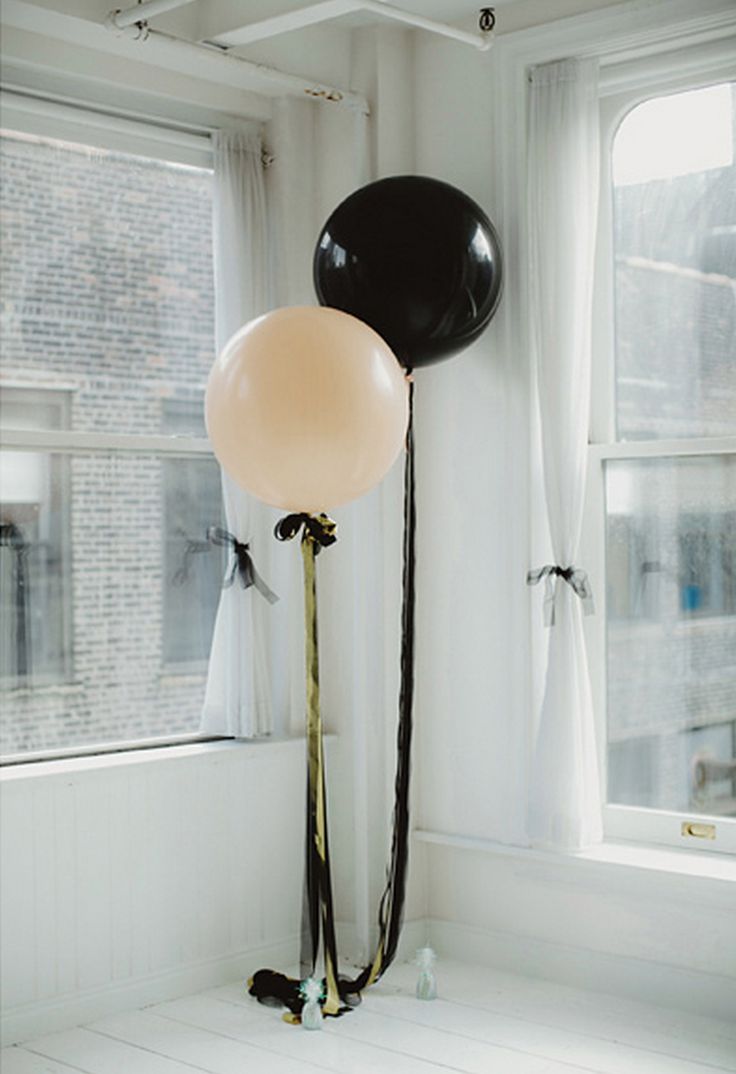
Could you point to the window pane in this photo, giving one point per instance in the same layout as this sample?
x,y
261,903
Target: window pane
x,y
671,633
133,662
35,639
193,501
107,281
675,266
193,567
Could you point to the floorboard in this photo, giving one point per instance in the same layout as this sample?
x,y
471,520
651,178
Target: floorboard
x,y
381,1046
20,1061
568,1023
484,1022
95,1054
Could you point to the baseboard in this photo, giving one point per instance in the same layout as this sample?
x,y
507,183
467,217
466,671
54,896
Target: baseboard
x,y
670,986
64,1012
694,991
353,949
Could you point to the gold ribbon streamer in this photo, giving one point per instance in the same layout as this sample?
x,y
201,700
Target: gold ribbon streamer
x,y
317,532
317,821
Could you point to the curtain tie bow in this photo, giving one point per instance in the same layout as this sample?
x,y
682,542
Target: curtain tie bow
x,y
319,529
243,565
576,578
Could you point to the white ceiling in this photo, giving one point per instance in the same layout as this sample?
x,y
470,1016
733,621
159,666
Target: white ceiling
x,y
215,16
510,14
447,10
454,10
208,17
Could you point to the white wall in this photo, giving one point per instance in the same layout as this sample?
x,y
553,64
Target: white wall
x,y
146,875
135,878
472,476
360,581
643,930
635,926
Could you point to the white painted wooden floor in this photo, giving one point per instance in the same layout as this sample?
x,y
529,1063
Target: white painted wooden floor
x,y
485,1022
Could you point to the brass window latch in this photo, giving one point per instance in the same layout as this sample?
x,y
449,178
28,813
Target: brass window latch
x,y
698,829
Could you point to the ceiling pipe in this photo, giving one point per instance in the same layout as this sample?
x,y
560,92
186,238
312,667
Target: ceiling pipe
x,y
481,41
246,75
133,23
131,16
332,9
197,61
285,23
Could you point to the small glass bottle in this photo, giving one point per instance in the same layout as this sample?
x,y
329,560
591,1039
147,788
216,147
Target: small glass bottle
x,y
426,983
312,993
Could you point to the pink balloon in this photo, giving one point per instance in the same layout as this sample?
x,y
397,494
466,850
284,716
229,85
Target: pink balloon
x,y
307,408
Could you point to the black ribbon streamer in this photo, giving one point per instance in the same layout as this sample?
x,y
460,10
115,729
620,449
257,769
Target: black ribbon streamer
x,y
243,566
391,906
576,578
12,537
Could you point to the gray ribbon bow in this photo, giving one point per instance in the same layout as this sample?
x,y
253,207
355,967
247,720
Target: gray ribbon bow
x,y
577,580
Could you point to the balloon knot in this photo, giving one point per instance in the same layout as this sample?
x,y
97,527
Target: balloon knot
x,y
320,530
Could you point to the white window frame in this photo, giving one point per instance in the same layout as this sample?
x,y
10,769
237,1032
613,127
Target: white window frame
x,y
32,115
623,86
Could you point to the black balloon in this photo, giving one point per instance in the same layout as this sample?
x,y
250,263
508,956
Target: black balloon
x,y
417,260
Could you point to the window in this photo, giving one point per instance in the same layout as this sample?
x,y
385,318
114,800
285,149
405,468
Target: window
x,y
663,465
108,585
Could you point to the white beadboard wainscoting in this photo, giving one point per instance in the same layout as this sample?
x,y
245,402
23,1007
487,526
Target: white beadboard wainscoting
x,y
133,878
136,878
641,923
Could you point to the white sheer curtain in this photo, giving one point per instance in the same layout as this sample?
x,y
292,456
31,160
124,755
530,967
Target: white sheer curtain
x,y
564,808
238,695
319,157
265,228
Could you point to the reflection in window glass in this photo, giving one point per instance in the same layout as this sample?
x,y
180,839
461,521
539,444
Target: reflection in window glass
x,y
671,633
193,566
35,546
675,266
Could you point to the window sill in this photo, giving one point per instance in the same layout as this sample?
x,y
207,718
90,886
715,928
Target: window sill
x,y
663,860
681,873
225,748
